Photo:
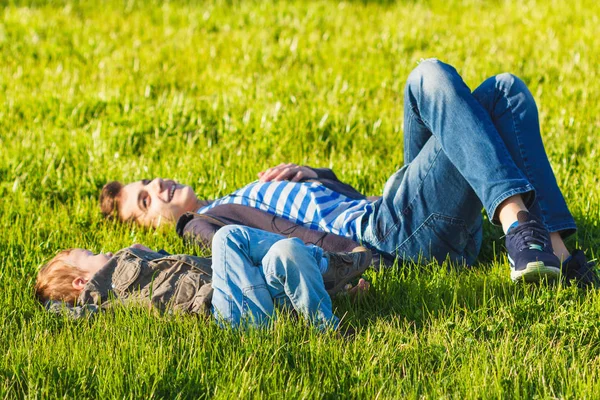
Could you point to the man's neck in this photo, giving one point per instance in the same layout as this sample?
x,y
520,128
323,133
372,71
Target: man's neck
x,y
202,203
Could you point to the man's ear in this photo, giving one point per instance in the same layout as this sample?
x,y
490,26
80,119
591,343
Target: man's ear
x,y
79,283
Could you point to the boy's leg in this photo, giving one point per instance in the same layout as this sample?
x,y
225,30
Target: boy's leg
x,y
241,291
293,278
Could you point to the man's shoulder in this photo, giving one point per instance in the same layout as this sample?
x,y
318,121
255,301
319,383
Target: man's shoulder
x,y
223,214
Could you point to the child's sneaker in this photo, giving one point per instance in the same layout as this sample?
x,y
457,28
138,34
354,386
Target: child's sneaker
x,y
578,268
344,267
530,251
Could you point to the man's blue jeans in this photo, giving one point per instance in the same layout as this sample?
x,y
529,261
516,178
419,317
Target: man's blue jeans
x,y
254,271
462,151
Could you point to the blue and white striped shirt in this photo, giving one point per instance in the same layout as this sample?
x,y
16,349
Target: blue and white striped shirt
x,y
305,203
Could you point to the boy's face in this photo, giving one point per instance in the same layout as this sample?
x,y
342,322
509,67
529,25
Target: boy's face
x,y
87,261
150,202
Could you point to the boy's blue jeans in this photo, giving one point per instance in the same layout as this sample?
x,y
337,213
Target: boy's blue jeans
x,y
462,151
254,270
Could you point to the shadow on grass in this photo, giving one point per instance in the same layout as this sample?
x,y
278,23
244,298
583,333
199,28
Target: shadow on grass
x,y
481,300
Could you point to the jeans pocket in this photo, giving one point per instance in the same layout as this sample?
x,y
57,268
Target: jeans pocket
x,y
257,305
437,238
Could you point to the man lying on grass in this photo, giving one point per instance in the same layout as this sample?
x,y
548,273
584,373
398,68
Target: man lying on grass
x,y
463,151
251,272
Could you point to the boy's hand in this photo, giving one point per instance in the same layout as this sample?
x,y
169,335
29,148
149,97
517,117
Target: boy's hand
x,y
140,247
287,172
361,288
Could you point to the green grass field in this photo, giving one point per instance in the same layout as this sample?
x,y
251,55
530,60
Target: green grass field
x,y
212,93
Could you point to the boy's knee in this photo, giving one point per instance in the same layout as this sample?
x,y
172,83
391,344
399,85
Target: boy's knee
x,y
229,233
286,248
282,252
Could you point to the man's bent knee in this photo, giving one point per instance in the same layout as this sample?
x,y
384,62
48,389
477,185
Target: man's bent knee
x,y
432,75
510,84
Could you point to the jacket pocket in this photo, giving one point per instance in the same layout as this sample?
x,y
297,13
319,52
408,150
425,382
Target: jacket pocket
x,y
126,273
185,292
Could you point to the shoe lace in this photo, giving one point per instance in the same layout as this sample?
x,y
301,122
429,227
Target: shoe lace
x,y
529,235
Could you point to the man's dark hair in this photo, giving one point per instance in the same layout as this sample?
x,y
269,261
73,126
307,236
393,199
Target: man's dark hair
x,y
109,199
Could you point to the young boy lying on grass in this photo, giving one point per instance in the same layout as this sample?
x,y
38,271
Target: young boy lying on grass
x,y
250,273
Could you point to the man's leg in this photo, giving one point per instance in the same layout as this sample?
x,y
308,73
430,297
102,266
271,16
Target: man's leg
x,y
427,210
440,108
514,113
242,292
437,99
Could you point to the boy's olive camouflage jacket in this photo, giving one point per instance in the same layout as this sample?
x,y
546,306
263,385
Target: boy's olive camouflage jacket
x,y
169,283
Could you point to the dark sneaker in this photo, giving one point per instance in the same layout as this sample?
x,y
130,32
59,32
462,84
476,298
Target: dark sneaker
x,y
344,267
577,268
530,251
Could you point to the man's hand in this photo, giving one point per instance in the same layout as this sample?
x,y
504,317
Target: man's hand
x,y
287,172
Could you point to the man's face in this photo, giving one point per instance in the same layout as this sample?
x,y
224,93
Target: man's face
x,y
152,202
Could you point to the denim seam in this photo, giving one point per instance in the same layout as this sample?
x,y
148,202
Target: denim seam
x,y
424,223
229,317
247,289
447,218
407,148
428,223
418,191
517,131
561,227
410,203
504,196
387,234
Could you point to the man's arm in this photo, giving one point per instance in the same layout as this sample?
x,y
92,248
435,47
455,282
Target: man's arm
x,y
324,173
295,173
201,228
298,173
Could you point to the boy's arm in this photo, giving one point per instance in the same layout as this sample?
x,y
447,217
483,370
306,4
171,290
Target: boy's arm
x,y
142,247
201,228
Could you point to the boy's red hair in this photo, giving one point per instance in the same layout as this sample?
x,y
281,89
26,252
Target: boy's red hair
x,y
55,280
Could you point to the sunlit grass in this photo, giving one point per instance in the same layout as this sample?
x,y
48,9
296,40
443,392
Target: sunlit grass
x,y
212,93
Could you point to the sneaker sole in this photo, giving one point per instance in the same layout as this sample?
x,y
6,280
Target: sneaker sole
x,y
535,272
